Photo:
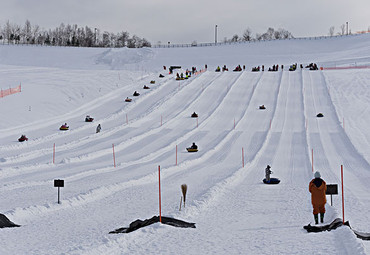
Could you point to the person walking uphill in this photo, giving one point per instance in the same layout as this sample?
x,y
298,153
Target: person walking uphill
x,y
317,188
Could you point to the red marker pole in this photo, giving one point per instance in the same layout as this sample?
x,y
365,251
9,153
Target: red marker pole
x,y
341,168
114,156
343,125
54,154
312,159
160,209
243,156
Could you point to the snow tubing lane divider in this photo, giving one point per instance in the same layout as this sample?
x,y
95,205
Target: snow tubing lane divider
x,y
6,223
272,181
143,223
335,224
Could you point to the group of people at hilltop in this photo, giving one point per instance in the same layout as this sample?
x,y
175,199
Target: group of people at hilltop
x,y
274,68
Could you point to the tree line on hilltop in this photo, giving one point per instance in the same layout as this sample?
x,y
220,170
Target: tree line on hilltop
x,y
68,35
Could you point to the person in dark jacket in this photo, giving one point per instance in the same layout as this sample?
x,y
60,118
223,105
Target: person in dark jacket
x,y
268,172
317,188
98,128
194,146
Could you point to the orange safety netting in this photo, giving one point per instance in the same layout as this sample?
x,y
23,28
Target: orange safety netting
x,y
344,67
10,91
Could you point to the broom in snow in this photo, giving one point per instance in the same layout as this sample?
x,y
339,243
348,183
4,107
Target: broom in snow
x,y
184,188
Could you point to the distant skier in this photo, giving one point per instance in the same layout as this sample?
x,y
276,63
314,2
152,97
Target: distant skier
x,y
317,188
268,172
98,128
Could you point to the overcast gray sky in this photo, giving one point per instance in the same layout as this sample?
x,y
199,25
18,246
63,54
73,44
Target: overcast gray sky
x,y
186,21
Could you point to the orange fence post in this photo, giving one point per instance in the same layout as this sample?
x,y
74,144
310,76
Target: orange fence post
x,y
341,168
243,156
160,209
312,159
114,156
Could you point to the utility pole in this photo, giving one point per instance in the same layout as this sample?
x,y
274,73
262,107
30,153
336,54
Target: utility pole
x,y
95,36
216,34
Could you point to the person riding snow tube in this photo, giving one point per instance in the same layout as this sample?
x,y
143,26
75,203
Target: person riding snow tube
x,y
146,87
64,127
262,107
89,119
194,115
136,94
192,148
128,99
22,138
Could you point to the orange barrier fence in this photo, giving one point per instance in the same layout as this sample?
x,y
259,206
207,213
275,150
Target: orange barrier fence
x,y
10,91
344,67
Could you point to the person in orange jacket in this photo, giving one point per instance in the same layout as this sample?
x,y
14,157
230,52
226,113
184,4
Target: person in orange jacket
x,y
317,188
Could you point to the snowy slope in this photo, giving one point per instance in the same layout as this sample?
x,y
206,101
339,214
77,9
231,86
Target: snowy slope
x,y
233,210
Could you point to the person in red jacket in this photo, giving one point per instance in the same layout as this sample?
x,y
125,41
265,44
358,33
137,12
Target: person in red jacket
x,y
317,188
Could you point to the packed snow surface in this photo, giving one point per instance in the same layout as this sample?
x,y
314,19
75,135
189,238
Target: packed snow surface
x,y
111,178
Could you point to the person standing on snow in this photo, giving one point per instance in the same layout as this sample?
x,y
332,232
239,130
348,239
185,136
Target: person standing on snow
x,y
98,128
317,188
268,172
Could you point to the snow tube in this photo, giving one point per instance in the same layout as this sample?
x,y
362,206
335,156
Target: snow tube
x,y
194,115
191,150
89,119
272,181
6,223
136,94
128,100
64,127
146,87
262,107
152,82
22,139
319,115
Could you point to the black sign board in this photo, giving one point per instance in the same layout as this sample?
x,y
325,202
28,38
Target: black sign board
x,y
332,189
58,183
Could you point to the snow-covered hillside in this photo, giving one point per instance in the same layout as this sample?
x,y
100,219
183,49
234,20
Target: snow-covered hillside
x,y
234,211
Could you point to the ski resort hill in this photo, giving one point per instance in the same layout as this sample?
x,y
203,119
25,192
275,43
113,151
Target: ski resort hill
x,y
111,177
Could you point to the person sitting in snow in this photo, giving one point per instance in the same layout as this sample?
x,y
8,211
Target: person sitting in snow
x,y
268,172
317,188
194,146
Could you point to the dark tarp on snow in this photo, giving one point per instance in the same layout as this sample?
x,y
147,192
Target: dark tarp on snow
x,y
6,223
143,223
335,224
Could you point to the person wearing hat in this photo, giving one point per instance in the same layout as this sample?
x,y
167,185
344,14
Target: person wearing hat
x,y
317,188
268,172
